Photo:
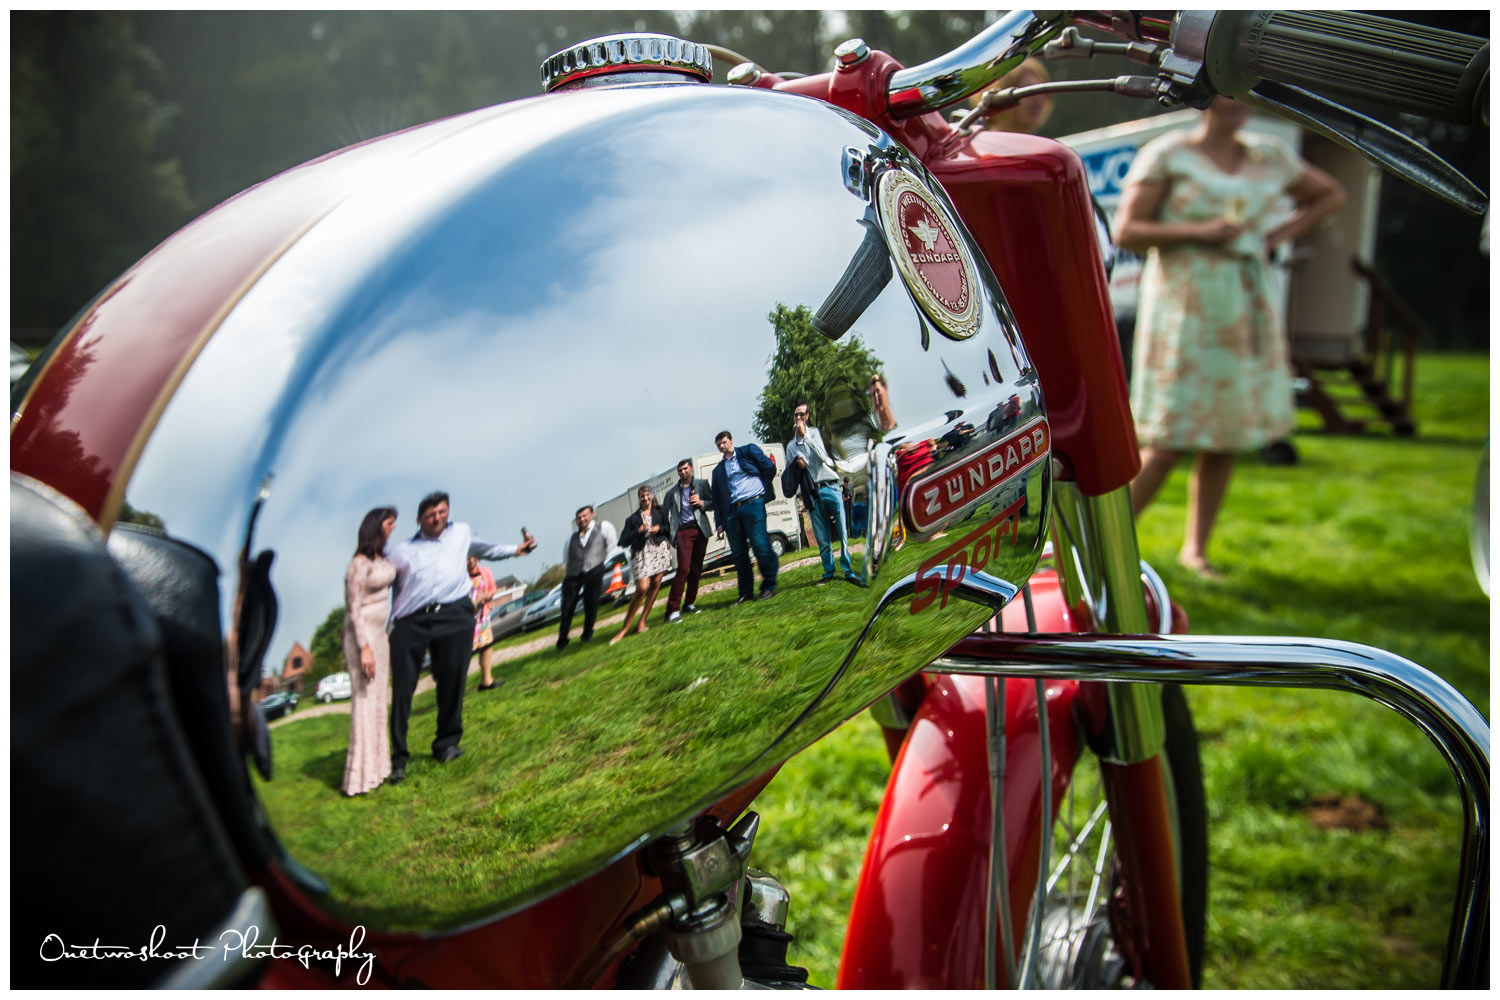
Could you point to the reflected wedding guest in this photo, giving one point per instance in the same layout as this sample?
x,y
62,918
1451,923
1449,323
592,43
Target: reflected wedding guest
x,y
433,613
741,487
911,456
825,500
583,561
367,652
645,533
482,588
688,526
1030,113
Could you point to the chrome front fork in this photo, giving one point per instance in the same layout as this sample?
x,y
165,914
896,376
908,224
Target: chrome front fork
x,y
1099,570
1100,575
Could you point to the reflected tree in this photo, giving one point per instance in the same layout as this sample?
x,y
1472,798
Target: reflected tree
x,y
327,648
130,515
808,367
549,578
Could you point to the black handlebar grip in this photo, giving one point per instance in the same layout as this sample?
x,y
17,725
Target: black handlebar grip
x,y
1406,67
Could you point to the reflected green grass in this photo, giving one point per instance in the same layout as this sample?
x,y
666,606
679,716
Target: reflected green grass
x,y
580,754
561,762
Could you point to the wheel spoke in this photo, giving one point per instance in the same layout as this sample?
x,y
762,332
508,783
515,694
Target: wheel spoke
x,y
1099,866
1065,863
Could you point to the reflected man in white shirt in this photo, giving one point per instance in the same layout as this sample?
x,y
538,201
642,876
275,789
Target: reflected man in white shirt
x,y
824,496
432,611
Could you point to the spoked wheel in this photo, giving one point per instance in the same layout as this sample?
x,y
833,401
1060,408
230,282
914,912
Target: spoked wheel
x,y
1078,944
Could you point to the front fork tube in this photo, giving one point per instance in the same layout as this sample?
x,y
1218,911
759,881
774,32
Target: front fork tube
x,y
1099,570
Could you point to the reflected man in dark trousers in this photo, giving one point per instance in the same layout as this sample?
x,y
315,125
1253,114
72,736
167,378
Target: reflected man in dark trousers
x,y
687,526
432,612
583,560
741,488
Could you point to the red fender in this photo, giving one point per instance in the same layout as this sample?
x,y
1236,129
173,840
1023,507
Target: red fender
x,y
918,914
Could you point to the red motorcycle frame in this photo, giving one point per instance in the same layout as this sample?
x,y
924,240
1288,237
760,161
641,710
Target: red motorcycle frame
x,y
1026,202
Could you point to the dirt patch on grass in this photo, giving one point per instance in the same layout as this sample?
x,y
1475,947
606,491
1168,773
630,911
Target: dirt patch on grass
x,y
548,848
1344,812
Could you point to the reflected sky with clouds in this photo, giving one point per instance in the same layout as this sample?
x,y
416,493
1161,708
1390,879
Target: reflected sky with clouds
x,y
539,313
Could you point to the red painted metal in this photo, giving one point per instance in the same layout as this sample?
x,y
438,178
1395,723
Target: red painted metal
x,y
1052,612
85,419
1026,201
862,90
1154,939
624,67
538,948
908,696
918,910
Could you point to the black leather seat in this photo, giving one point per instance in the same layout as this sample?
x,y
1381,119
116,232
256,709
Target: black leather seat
x,y
113,831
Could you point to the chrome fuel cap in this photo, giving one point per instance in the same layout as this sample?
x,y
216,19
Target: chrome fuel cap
x,y
629,53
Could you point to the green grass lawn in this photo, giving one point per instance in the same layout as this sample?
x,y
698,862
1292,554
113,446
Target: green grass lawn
x,y
1366,540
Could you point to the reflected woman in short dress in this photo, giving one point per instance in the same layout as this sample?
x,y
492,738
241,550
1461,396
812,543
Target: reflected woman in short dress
x,y
367,652
645,534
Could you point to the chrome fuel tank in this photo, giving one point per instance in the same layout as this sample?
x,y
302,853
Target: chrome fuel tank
x,y
544,307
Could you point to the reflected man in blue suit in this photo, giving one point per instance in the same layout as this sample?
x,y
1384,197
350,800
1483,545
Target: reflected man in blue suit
x,y
741,487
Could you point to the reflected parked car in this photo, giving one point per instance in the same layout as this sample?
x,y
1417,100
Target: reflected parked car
x,y
277,704
548,609
333,688
505,619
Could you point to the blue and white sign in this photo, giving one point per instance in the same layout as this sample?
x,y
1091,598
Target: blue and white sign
x,y
1106,169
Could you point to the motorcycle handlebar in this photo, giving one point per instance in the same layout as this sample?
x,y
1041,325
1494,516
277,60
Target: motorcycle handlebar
x,y
1407,67
1426,71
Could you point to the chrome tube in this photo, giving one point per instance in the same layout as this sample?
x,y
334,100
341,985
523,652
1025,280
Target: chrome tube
x,y
1002,47
1099,567
974,65
1460,733
998,897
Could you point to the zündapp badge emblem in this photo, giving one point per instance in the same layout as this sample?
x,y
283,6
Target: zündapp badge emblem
x,y
934,262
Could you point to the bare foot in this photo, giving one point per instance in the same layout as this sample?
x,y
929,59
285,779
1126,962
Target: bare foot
x,y
1198,564
618,636
640,628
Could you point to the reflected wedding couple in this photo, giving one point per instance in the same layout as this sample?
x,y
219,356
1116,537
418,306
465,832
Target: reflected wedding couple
x,y
432,612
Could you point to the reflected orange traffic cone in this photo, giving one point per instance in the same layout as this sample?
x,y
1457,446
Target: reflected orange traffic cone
x,y
616,580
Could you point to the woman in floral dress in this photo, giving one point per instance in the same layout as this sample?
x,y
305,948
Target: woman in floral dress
x,y
482,584
367,652
1211,372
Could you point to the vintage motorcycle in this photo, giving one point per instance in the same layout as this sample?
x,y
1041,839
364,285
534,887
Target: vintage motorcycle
x,y
191,458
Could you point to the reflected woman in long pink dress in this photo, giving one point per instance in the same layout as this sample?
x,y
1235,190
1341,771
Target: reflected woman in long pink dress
x,y
367,653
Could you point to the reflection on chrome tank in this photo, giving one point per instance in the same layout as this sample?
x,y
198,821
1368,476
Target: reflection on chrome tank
x,y
546,319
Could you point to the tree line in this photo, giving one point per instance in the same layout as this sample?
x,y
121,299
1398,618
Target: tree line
x,y
126,125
